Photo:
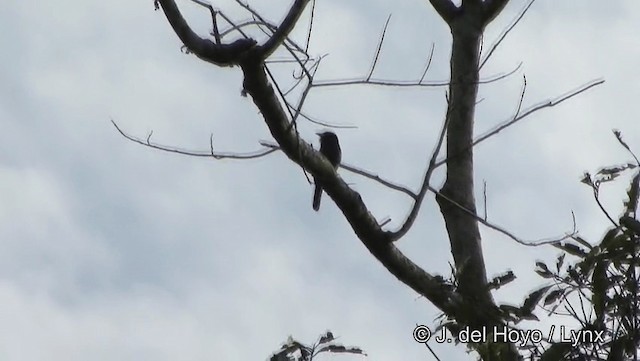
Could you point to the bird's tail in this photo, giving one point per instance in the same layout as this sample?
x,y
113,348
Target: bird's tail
x,y
316,198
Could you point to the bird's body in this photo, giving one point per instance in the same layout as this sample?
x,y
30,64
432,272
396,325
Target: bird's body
x,y
330,148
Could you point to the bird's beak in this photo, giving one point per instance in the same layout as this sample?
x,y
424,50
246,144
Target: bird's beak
x,y
319,133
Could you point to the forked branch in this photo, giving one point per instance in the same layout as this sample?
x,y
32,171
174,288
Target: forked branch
x,y
212,154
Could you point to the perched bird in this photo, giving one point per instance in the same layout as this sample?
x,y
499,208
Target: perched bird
x,y
330,148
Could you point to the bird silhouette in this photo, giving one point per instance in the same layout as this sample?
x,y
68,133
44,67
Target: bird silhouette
x,y
330,148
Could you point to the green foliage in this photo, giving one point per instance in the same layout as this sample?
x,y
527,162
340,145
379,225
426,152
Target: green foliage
x,y
293,350
600,289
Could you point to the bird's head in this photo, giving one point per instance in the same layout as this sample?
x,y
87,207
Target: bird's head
x,y
327,137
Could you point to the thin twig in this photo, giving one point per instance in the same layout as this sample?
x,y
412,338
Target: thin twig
x,y
596,196
216,155
426,68
379,47
359,171
377,178
408,83
233,26
504,34
484,197
243,24
272,27
535,243
488,224
413,214
321,123
313,11
215,33
299,79
531,110
285,27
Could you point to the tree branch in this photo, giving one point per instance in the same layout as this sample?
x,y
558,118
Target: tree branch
x,y
284,29
216,155
504,33
218,54
492,8
529,111
348,201
445,8
413,214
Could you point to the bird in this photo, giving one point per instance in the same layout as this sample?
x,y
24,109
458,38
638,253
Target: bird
x,y
330,148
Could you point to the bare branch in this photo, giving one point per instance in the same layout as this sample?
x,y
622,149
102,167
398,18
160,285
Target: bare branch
x,y
492,8
484,198
361,172
445,8
218,54
377,178
535,108
377,54
410,193
216,155
313,12
273,80
408,83
504,34
482,220
321,123
284,29
215,32
413,214
426,68
363,223
273,28
531,110
596,196
518,240
235,27
300,78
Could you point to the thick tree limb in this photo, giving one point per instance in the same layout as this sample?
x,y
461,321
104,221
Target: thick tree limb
x,y
218,54
492,8
445,8
348,201
506,32
463,229
284,29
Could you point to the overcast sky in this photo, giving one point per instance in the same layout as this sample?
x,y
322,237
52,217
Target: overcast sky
x,y
113,251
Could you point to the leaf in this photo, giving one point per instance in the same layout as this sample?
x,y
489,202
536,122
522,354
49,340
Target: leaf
x,y
574,275
533,299
327,337
633,193
586,179
600,285
342,349
572,249
511,312
631,224
543,270
583,242
553,296
501,280
529,317
618,135
609,237
586,266
608,174
560,262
